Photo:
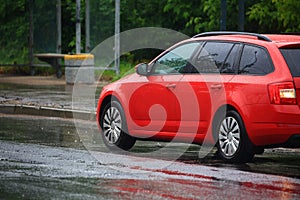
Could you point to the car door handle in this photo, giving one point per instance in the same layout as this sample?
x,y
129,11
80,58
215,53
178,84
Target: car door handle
x,y
171,86
216,86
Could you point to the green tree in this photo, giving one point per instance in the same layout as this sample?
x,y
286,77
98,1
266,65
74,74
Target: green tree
x,y
200,16
288,14
275,16
14,31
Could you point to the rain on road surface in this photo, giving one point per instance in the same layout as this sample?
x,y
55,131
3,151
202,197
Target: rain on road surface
x,y
44,157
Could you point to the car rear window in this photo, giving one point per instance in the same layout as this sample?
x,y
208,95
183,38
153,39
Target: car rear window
x,y
255,61
292,58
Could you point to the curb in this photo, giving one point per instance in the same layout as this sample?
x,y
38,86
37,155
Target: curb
x,y
47,112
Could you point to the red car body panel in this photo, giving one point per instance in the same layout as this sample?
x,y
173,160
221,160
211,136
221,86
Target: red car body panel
x,y
182,107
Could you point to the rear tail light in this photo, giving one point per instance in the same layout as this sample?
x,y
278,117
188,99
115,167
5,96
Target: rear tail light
x,y
282,93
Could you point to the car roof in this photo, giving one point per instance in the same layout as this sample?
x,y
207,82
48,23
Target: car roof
x,y
280,40
283,40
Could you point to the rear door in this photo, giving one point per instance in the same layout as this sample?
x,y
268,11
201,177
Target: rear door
x,y
203,88
292,58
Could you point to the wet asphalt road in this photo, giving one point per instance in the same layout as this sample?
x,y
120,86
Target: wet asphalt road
x,y
50,158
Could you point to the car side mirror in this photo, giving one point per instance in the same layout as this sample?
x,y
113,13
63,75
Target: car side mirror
x,y
142,69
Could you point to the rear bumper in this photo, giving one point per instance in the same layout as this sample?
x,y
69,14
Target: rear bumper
x,y
272,134
269,125
293,142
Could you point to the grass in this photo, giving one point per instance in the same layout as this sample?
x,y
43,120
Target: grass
x,y
110,75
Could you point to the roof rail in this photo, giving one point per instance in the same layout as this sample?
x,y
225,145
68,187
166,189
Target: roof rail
x,y
291,33
215,33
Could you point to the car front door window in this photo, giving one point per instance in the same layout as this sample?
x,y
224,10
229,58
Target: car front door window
x,y
175,60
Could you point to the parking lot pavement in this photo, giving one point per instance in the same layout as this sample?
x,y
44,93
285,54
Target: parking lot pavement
x,y
39,172
59,132
35,91
46,96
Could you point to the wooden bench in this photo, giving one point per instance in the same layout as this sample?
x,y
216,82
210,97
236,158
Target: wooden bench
x,y
54,59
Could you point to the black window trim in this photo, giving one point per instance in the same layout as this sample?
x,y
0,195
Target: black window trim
x,y
237,60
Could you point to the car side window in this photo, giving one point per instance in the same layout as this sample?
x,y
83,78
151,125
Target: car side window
x,y
212,57
176,60
255,60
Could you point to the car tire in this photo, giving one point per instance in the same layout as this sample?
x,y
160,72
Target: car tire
x,y
233,143
114,127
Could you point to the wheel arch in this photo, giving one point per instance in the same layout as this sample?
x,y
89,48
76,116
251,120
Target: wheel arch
x,y
124,141
221,111
104,102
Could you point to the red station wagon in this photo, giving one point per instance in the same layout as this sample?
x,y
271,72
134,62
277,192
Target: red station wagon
x,y
236,90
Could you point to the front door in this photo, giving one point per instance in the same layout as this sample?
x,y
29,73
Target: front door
x,y
155,106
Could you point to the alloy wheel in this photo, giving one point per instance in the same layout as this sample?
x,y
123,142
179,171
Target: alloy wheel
x,y
229,136
112,125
